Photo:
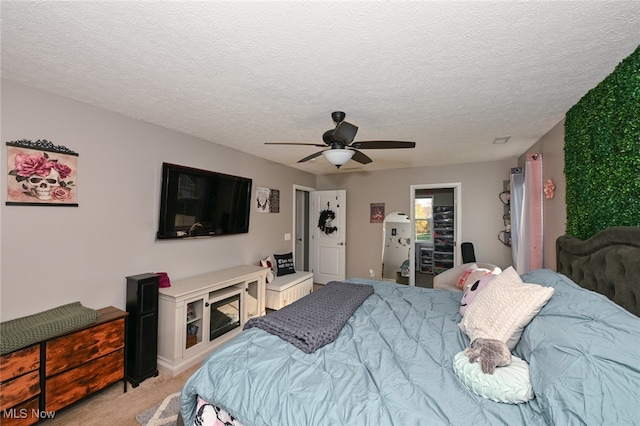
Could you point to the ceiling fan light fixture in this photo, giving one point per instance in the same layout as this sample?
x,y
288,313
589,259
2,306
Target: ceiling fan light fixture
x,y
342,148
338,157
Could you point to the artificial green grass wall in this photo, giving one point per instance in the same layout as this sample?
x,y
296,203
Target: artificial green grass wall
x,y
602,154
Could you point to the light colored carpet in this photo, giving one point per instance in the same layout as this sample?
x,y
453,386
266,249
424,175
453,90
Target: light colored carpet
x,y
165,413
120,408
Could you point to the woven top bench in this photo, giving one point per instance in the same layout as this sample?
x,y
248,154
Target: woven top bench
x,y
22,332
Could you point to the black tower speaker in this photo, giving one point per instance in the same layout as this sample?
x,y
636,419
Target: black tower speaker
x,y
142,328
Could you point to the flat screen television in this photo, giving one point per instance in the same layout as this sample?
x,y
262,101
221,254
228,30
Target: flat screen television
x,y
199,203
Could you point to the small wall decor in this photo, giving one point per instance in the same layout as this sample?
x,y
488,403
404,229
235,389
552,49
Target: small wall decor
x,y
505,197
41,174
549,189
326,219
377,213
274,200
267,200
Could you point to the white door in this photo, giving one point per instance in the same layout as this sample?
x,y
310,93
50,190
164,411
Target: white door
x,y
328,221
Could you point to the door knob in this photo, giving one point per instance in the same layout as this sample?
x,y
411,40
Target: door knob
x,y
340,244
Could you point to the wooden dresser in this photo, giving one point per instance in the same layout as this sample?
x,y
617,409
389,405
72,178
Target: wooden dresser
x,y
20,387
38,380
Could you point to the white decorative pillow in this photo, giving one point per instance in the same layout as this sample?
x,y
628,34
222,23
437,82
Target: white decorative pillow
x,y
470,275
504,308
268,263
510,384
473,290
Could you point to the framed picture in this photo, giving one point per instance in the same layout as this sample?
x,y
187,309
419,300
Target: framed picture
x,y
377,213
267,200
41,174
274,200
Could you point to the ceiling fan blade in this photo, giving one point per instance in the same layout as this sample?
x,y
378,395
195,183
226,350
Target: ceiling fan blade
x,y
360,157
345,132
311,157
382,145
327,137
295,143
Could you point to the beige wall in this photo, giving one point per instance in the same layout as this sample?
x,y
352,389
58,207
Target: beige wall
x,y
53,255
551,146
481,209
57,255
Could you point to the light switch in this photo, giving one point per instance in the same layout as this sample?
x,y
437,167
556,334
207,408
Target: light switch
x,y
287,237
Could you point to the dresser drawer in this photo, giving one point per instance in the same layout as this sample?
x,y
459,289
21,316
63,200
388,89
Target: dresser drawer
x,y
20,375
19,389
70,386
19,362
77,348
24,414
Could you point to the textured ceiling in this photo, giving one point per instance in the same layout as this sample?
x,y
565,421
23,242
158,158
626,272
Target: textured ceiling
x,y
451,76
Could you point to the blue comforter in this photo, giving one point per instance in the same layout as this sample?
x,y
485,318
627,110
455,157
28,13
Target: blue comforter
x,y
392,365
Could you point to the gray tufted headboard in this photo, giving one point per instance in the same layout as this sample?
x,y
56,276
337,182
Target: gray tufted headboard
x,y
607,263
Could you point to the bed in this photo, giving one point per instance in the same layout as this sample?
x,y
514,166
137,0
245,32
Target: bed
x,y
393,361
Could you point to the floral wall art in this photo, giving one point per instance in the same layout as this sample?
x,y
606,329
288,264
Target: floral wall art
x,y
41,174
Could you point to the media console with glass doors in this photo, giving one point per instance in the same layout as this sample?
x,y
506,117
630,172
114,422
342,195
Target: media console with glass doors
x,y
198,314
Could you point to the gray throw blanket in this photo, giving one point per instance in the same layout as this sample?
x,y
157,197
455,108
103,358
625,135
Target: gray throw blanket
x,y
316,319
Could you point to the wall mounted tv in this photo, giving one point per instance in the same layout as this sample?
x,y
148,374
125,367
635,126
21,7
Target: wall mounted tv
x,y
199,203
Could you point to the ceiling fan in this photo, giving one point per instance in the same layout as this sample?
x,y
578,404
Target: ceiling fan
x,y
341,145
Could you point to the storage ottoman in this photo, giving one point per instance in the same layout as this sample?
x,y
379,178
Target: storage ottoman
x,y
286,289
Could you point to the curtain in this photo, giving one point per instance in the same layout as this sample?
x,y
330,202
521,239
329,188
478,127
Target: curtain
x,y
526,214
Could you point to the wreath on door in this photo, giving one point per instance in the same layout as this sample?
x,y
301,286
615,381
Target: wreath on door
x,y
325,223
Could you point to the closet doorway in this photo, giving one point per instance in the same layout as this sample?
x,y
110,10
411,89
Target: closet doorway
x,y
436,230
